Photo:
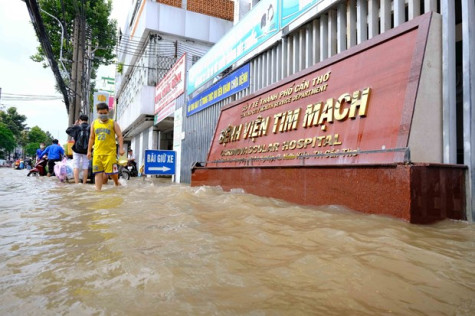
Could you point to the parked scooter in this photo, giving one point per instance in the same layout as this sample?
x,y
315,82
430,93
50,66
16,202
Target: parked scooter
x,y
132,167
19,164
39,169
123,171
127,169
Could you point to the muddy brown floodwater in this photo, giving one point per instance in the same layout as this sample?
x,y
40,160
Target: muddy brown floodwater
x,y
155,248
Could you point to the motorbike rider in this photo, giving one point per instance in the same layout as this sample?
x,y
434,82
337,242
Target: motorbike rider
x,y
39,151
55,153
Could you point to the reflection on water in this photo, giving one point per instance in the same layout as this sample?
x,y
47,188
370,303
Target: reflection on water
x,y
152,247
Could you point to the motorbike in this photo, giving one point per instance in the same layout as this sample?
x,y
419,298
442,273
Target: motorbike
x,y
132,167
19,164
39,169
127,169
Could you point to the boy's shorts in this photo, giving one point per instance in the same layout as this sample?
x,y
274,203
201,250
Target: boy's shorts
x,y
80,161
105,163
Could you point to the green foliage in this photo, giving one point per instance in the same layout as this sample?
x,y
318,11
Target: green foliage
x,y
7,140
102,30
49,140
13,132
23,139
14,121
33,139
37,135
30,149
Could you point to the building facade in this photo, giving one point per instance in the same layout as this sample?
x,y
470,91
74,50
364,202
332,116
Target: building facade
x,y
156,35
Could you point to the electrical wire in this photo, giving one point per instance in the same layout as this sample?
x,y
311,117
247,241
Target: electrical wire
x,y
147,52
29,97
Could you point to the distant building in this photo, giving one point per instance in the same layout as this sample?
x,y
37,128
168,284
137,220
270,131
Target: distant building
x,y
156,35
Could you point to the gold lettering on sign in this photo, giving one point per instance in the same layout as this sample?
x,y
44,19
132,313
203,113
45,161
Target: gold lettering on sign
x,y
318,114
360,101
317,141
269,98
327,112
256,128
321,79
286,121
230,134
341,112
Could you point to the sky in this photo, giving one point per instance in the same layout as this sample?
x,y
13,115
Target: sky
x,y
20,75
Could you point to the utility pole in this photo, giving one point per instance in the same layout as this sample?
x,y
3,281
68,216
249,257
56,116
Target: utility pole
x,y
80,73
87,72
77,70
74,71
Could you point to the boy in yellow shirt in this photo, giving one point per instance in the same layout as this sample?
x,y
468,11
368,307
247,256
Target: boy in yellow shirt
x,y
103,133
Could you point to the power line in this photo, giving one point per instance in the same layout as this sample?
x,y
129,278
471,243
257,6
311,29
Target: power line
x,y
30,95
32,99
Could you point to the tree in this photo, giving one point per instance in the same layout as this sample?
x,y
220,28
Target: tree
x,y
13,132
7,140
30,149
33,138
37,135
14,121
101,30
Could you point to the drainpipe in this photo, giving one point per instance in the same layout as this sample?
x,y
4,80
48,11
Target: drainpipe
x,y
448,82
468,31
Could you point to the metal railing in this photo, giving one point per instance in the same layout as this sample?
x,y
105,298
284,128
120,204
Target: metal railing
x,y
303,157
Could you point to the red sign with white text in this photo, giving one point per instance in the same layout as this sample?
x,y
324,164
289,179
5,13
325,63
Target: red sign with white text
x,y
170,88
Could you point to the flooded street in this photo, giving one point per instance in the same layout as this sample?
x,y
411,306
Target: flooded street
x,y
155,248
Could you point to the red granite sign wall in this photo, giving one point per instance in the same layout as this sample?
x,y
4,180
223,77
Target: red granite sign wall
x,y
348,111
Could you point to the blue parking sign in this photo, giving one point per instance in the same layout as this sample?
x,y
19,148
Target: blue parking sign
x,y
160,162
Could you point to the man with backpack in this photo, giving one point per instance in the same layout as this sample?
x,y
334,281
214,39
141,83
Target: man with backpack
x,y
80,133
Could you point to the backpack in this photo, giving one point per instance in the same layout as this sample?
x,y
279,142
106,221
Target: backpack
x,y
81,142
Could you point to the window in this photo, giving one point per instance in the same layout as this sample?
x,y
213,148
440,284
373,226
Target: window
x,y
194,59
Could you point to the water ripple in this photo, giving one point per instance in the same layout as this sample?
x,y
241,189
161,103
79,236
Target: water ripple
x,y
153,246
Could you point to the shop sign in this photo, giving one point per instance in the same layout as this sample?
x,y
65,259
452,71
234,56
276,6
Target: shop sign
x,y
292,9
231,84
103,97
160,162
260,24
170,88
165,112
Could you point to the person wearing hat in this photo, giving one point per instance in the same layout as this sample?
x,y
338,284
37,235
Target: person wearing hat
x,y
131,158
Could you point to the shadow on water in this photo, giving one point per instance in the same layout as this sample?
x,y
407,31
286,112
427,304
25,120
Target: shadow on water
x,y
152,247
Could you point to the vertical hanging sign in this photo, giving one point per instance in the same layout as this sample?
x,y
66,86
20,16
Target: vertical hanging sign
x,y
168,89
